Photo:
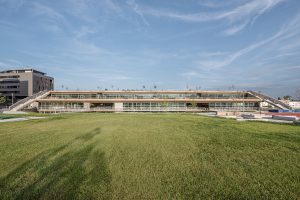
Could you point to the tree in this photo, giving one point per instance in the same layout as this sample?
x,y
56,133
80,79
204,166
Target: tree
x,y
287,97
194,104
2,100
298,94
164,104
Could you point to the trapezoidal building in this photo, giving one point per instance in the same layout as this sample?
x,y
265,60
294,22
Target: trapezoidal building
x,y
145,101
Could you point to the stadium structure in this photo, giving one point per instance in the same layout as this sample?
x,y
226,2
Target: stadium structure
x,y
146,101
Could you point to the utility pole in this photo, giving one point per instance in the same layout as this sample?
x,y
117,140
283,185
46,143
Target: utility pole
x,y
12,98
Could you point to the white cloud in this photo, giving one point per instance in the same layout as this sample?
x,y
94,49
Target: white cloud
x,y
43,10
253,8
135,7
242,14
287,31
235,29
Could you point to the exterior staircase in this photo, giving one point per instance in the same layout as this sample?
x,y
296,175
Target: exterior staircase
x,y
270,100
28,100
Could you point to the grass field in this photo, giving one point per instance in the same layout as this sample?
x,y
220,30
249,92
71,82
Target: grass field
x,y
146,156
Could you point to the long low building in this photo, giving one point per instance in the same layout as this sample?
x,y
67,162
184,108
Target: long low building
x,y
147,101
143,101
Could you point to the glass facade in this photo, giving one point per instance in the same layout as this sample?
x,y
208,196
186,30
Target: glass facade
x,y
147,101
229,104
60,105
153,105
151,96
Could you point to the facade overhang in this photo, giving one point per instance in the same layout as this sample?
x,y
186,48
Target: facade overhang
x,y
148,92
147,100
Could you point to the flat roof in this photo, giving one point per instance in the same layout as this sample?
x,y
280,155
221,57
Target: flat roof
x,y
22,71
145,92
148,100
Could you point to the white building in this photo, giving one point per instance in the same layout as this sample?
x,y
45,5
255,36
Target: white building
x,y
293,104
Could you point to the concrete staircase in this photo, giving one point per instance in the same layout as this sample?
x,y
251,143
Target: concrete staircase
x,y
28,100
270,100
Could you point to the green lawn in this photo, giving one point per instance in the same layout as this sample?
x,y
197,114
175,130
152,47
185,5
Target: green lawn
x,y
146,156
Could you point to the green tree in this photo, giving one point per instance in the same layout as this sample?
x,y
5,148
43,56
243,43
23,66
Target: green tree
x,y
2,100
287,97
164,104
298,94
194,104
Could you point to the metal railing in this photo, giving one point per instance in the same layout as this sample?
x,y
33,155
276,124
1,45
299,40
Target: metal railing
x,y
271,100
58,109
242,109
23,101
171,98
164,109
142,109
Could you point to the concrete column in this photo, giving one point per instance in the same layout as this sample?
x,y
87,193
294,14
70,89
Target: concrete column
x,y
34,105
118,107
87,106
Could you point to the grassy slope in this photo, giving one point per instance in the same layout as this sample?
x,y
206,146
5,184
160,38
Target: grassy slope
x,y
134,156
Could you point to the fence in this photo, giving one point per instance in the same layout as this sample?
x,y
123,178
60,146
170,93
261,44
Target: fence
x,y
50,109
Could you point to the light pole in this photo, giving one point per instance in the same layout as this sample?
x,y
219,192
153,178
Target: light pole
x,y
244,102
12,98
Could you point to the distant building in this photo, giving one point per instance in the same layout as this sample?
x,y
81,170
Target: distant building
x,y
21,83
293,104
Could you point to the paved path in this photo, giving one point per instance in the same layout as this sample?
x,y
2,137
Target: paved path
x,y
267,120
20,119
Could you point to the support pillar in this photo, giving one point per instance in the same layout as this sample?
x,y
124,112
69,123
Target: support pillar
x,y
118,107
87,106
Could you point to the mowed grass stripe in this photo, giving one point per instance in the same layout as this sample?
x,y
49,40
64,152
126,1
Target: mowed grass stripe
x,y
143,156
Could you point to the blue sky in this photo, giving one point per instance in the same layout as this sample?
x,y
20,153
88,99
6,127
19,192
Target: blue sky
x,y
117,44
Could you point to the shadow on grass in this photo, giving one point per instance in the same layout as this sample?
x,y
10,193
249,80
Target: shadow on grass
x,y
76,170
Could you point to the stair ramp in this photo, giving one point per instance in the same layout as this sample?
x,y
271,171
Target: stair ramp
x,y
18,106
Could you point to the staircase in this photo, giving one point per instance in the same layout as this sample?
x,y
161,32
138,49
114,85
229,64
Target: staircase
x,y
272,101
28,100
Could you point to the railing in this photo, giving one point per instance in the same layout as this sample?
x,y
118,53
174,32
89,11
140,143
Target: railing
x,y
23,101
242,109
142,109
61,110
74,109
3,109
272,100
164,109
187,98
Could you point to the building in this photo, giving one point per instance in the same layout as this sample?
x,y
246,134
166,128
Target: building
x,y
293,104
147,101
21,83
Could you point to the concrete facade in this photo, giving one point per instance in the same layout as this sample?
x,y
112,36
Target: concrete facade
x,y
293,104
22,83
